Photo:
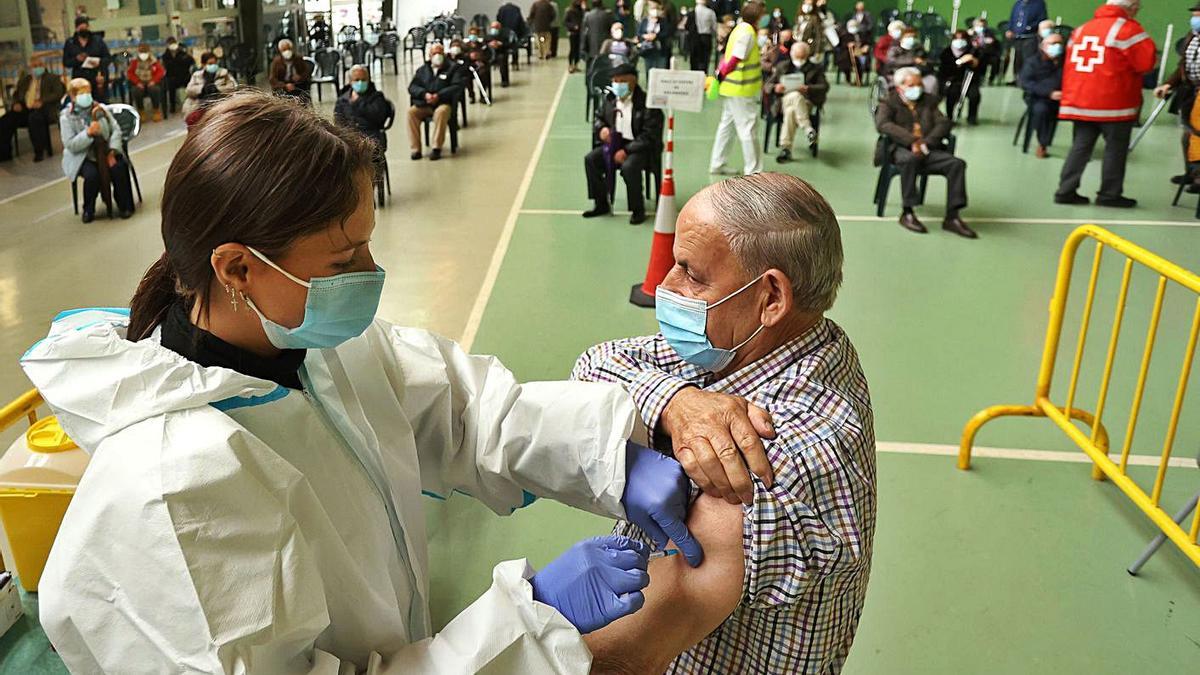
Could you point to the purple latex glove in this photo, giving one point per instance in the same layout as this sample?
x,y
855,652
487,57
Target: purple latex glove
x,y
656,499
596,582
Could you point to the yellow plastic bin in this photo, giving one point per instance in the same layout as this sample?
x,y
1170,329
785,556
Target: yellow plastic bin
x,y
38,477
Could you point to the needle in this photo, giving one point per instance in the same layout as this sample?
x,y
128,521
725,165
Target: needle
x,y
662,554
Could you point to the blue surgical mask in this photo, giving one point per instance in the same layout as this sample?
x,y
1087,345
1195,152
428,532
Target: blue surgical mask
x,y
1054,50
211,68
912,93
83,100
360,86
620,89
958,44
683,322
338,308
38,71
908,42
1195,21
1046,32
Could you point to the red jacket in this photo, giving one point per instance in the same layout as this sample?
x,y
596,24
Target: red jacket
x,y
156,72
1106,59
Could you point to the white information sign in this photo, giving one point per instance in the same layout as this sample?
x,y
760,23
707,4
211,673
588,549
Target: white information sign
x,y
677,89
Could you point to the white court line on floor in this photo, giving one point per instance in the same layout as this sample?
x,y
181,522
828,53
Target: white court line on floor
x,y
1018,453
1019,221
171,135
489,281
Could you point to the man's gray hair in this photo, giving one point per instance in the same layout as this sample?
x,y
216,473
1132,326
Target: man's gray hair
x,y
283,42
902,74
779,221
359,66
1123,3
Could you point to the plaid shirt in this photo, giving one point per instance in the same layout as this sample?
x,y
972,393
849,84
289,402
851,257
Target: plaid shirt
x,y
807,540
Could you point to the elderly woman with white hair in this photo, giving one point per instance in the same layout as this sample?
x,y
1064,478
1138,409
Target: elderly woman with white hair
x,y
918,130
290,74
92,151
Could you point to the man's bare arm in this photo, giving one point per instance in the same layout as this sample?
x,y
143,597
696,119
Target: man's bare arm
x,y
683,604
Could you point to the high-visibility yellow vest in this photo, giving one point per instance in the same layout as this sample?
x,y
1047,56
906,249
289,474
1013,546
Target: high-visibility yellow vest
x,y
746,79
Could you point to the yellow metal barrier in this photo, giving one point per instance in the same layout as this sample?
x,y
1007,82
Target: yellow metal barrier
x,y
25,406
1096,443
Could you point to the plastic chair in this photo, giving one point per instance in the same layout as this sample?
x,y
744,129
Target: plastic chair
x,y
327,70
414,41
131,125
889,170
453,127
386,179
389,49
1025,124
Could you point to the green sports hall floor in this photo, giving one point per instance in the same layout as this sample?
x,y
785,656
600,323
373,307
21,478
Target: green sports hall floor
x,y
1014,567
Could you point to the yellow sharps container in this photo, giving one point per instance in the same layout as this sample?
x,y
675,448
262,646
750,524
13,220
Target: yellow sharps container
x,y
38,477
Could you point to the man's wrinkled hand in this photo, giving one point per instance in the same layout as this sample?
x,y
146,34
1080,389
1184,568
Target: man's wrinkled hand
x,y
716,437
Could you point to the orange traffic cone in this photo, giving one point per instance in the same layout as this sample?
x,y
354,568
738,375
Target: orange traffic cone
x,y
662,257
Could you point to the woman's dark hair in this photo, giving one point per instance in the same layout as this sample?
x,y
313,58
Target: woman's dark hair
x,y
257,170
206,56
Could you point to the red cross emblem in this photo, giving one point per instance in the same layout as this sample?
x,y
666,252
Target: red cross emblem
x,y
1087,54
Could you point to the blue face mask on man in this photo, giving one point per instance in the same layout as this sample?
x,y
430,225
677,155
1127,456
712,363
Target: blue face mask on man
x,y
360,86
83,101
1054,50
38,71
620,89
1195,22
683,322
338,308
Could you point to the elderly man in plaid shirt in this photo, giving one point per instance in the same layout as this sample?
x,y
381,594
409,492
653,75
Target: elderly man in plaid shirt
x,y
787,544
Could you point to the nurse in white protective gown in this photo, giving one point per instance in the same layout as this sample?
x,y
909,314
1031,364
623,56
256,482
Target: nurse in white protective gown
x,y
260,444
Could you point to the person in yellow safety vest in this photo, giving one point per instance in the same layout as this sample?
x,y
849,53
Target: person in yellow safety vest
x,y
740,78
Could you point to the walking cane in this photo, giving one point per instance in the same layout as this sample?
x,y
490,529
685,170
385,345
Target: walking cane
x,y
962,96
479,86
1149,122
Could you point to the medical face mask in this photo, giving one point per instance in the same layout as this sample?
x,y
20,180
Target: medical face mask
x,y
617,33
798,62
286,54
494,32
455,51
38,71
777,13
913,93
360,86
1195,22
908,42
437,60
145,56
806,9
762,42
211,68
1054,50
620,89
172,47
958,45
683,322
1045,33
895,34
83,100
337,309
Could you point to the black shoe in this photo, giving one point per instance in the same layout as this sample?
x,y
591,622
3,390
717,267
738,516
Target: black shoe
x,y
910,222
415,156
785,155
435,154
1181,179
637,218
972,123
1193,189
38,157
597,210
1071,198
1116,202
124,215
88,217
957,226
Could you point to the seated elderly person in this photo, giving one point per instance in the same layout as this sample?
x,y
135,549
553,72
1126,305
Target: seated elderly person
x,y
290,74
479,57
1041,78
956,60
883,46
34,105
145,76
208,83
363,107
503,43
907,52
434,90
92,151
796,101
853,53
627,139
617,48
910,117
745,353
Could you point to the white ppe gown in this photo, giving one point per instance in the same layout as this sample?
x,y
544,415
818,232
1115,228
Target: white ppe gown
x,y
226,524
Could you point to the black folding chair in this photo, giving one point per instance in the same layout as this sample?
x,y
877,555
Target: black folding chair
x,y
889,170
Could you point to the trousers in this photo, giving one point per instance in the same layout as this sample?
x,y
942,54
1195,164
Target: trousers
x,y
441,121
1043,117
796,112
1116,150
701,52
631,173
937,163
37,119
739,114
121,186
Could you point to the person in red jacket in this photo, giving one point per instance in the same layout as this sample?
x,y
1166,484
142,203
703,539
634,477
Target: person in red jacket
x,y
145,79
1102,95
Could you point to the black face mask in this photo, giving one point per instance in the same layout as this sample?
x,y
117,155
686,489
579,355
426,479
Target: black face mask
x,y
85,34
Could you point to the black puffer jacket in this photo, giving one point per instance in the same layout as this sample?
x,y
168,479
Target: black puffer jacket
x,y
367,114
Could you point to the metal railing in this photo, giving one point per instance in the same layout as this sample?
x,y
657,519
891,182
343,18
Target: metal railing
x,y
1096,444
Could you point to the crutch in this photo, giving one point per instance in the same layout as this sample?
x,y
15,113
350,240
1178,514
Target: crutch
x,y
962,96
850,48
1149,122
480,88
